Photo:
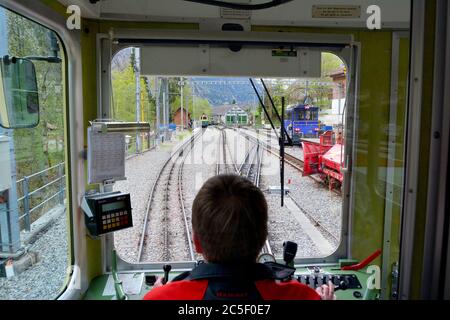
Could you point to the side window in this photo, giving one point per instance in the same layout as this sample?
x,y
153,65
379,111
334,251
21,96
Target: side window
x,y
34,232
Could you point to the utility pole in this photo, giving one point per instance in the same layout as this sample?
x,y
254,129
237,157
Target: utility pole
x,y
158,108
306,90
164,113
165,86
137,73
10,243
181,83
193,96
167,104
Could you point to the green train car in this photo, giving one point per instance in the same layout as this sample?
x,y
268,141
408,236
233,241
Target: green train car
x,y
204,119
236,116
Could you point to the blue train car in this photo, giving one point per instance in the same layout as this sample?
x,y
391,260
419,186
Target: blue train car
x,y
302,121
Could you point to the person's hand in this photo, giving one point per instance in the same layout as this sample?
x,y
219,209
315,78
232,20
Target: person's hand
x,y
326,292
158,283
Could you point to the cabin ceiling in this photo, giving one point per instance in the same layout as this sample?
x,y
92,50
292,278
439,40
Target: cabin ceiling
x,y
394,14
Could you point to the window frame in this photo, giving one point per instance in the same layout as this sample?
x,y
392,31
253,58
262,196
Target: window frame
x,y
349,54
37,12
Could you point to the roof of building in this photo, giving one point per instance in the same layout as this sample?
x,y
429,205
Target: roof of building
x,y
225,108
179,110
339,72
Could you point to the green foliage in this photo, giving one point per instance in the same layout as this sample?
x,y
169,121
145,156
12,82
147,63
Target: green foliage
x,y
38,148
195,105
330,62
43,146
124,96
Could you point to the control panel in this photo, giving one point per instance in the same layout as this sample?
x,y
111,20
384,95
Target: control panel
x,y
355,290
340,281
107,212
350,280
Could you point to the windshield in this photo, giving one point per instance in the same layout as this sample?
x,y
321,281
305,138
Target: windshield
x,y
221,126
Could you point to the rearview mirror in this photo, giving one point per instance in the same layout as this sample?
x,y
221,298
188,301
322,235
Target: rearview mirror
x,y
19,98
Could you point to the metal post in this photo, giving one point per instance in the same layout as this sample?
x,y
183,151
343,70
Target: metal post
x,y
158,108
282,154
306,89
26,203
61,183
164,113
193,98
167,107
182,103
138,94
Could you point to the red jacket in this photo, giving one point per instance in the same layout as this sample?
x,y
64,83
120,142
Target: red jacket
x,y
201,284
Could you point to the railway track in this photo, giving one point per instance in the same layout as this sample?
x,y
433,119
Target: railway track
x,y
224,165
251,169
221,154
298,165
293,161
164,186
256,179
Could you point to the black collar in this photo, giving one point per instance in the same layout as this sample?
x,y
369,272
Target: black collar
x,y
256,271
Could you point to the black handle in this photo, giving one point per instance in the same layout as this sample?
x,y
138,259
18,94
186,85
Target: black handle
x,y
166,268
342,286
289,251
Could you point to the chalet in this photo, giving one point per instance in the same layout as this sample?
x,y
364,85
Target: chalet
x,y
186,118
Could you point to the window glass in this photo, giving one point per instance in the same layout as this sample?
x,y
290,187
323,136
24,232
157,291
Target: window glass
x,y
162,194
34,234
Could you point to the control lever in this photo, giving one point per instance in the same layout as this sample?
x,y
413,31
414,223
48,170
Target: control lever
x,y
166,268
289,252
343,285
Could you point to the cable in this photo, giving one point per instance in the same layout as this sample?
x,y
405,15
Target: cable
x,y
239,6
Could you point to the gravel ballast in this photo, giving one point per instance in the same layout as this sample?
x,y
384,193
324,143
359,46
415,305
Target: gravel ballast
x,y
141,172
199,165
45,279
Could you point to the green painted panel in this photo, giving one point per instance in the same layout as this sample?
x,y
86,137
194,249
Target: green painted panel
x,y
399,152
97,285
89,63
371,141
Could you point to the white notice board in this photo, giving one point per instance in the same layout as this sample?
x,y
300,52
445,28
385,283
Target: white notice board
x,y
106,156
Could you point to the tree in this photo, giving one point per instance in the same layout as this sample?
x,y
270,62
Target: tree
x,y
39,147
124,88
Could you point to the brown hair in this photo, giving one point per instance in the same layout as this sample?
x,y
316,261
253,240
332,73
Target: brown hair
x,y
229,217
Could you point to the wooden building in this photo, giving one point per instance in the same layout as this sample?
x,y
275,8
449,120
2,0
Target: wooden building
x,y
186,118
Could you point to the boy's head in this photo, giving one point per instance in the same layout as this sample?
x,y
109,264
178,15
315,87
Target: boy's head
x,y
229,220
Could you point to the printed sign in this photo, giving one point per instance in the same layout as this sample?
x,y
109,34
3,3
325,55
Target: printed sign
x,y
284,53
227,13
336,11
